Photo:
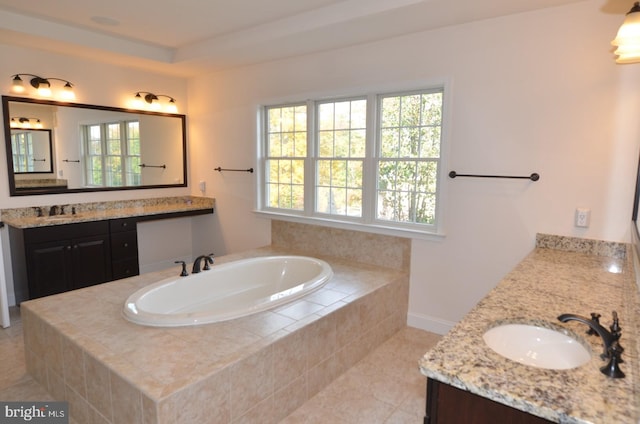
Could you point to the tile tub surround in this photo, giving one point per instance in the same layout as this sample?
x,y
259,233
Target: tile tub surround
x,y
254,369
545,284
96,211
367,248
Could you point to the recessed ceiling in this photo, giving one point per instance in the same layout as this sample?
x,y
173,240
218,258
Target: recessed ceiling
x,y
189,37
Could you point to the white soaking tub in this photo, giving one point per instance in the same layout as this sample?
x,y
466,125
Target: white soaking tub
x,y
227,291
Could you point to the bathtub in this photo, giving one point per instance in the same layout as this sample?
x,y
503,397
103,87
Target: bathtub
x,y
227,291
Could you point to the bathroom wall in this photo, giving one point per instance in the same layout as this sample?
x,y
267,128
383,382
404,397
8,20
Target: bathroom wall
x,y
101,84
534,92
531,92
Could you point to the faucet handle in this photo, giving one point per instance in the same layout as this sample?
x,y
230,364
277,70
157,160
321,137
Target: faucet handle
x,y
615,357
595,317
184,272
615,327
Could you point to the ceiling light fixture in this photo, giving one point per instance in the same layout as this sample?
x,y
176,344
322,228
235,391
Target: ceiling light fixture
x,y
43,85
23,122
627,40
153,102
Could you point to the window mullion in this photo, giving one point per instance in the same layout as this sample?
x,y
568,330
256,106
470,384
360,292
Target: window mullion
x,y
370,174
310,161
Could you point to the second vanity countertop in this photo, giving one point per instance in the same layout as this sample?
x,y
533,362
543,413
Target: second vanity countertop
x,y
99,211
547,283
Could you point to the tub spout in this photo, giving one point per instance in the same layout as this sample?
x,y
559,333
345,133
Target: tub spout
x,y
208,260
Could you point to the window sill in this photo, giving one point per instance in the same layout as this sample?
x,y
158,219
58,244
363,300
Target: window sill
x,y
370,228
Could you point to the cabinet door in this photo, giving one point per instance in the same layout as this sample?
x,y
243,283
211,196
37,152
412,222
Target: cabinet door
x,y
449,405
48,268
91,261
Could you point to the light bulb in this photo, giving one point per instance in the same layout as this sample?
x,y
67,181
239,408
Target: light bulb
x,y
155,104
171,107
67,92
627,39
17,86
137,101
44,89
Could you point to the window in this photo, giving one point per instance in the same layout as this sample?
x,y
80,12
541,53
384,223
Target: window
x,y
371,160
408,156
112,154
339,166
22,148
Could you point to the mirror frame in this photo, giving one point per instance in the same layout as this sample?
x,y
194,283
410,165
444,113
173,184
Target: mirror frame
x,y
49,190
43,130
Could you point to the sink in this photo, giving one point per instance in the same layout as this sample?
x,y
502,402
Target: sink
x,y
537,346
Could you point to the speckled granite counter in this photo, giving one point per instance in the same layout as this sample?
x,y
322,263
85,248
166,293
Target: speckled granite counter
x,y
550,281
98,211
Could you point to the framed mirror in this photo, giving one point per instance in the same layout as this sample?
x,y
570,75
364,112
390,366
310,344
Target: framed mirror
x,y
31,151
91,148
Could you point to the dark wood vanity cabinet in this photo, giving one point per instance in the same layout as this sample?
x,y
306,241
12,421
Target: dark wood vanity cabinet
x,y
124,248
66,257
58,258
449,405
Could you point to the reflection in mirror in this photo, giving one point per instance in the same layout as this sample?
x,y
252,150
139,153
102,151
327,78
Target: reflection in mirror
x,y
93,148
31,151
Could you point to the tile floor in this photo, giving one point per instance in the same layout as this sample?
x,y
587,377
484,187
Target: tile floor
x,y
385,387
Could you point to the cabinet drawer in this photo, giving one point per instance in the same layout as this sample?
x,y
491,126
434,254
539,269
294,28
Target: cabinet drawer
x,y
124,224
124,245
125,268
65,232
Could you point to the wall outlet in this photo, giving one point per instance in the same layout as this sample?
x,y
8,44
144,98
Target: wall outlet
x,y
583,217
203,186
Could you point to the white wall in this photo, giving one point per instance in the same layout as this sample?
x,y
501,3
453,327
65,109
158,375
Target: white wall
x,y
536,92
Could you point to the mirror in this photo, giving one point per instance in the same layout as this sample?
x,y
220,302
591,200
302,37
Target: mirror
x,y
91,148
31,150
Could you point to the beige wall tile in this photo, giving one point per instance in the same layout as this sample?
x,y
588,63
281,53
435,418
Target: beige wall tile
x,y
126,401
251,381
289,358
98,386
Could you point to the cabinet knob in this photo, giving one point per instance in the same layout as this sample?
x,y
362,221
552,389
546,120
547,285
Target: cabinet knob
x,y
124,224
126,245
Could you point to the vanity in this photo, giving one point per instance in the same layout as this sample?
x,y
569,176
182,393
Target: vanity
x,y
467,381
96,244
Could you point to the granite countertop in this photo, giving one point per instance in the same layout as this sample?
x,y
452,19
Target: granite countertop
x,y
547,283
98,211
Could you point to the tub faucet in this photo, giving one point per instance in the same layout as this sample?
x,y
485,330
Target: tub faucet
x,y
612,348
208,260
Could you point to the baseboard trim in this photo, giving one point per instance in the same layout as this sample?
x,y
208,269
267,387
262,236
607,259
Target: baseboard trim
x,y
429,323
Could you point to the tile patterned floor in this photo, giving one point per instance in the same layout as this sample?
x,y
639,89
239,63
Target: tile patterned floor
x,y
385,387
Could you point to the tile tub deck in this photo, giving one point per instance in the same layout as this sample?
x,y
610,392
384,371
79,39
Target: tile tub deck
x,y
254,369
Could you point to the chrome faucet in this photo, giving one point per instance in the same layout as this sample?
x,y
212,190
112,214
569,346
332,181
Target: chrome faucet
x,y
208,260
612,349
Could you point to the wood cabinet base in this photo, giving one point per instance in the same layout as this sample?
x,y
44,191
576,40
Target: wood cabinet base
x,y
449,405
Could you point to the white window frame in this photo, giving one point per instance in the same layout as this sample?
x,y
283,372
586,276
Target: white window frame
x,y
368,221
124,147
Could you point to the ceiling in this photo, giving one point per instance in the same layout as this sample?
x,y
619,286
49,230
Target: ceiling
x,y
190,37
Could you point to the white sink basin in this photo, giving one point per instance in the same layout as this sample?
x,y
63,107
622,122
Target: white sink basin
x,y
537,346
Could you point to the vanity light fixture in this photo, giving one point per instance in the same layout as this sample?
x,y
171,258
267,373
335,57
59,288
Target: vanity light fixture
x,y
23,122
152,101
43,85
627,40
